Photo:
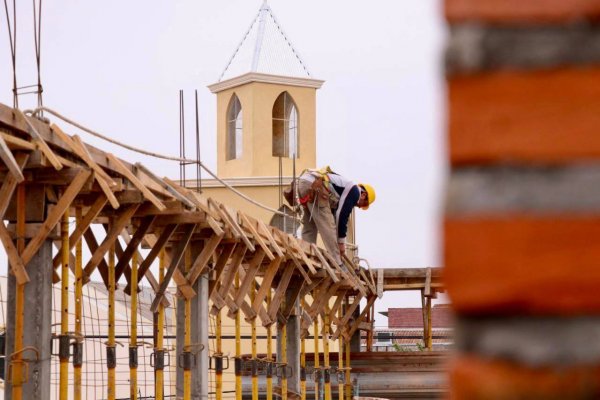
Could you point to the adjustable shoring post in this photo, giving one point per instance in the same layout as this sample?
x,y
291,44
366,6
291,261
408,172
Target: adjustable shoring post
x,y
284,382
64,339
219,363
17,378
159,351
326,372
111,350
348,391
133,349
254,355
78,346
187,340
238,347
316,363
269,353
341,360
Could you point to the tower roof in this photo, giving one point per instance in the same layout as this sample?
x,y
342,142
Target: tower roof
x,y
265,49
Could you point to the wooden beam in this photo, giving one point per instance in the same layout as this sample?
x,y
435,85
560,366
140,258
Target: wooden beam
x,y
228,278
349,312
133,245
290,303
248,225
265,285
360,318
233,221
43,146
175,261
172,191
120,222
85,223
294,244
92,244
336,306
325,264
203,258
281,290
247,279
220,267
55,215
293,257
163,239
13,166
17,266
130,176
265,230
9,184
427,289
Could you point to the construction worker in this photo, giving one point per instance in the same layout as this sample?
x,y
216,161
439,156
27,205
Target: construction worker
x,y
328,200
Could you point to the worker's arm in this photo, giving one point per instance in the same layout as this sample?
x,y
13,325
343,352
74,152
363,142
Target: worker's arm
x,y
343,213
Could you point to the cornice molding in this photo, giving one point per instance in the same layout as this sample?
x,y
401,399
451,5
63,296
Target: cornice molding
x,y
241,182
264,78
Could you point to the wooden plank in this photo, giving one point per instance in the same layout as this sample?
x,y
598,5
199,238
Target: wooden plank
x,y
84,224
203,258
172,191
248,225
13,166
175,261
215,226
325,264
248,278
380,283
265,285
228,278
265,230
367,281
132,246
237,227
281,289
17,266
92,245
163,239
291,254
336,306
349,311
55,215
43,146
220,267
427,289
294,244
322,299
290,303
119,223
360,318
130,176
214,207
9,184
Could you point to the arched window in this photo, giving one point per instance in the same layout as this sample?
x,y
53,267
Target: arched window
x,y
285,127
234,129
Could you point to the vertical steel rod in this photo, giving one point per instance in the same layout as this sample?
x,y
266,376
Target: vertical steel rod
x,y
326,365
284,382
187,340
316,363
219,353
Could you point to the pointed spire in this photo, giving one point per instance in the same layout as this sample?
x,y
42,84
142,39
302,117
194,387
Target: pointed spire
x,y
265,49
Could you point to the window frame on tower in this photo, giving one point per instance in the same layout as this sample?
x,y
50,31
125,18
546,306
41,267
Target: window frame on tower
x,y
235,129
286,130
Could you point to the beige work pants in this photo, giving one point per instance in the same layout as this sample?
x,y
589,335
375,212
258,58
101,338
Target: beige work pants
x,y
319,218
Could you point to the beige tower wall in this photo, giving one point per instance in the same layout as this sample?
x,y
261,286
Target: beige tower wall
x,y
257,100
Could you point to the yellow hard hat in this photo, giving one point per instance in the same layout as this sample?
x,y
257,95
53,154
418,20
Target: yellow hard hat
x,y
370,194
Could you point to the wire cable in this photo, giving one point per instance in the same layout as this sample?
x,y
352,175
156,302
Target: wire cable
x,y
155,155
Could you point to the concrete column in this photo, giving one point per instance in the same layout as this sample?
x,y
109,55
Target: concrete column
x,y
37,331
199,337
355,339
293,348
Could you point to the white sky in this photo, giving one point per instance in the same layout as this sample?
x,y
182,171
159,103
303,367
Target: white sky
x,y
117,66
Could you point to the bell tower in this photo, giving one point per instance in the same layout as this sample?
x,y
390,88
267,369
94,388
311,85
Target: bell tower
x,y
266,106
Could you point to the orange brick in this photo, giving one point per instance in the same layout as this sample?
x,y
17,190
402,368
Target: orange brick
x,y
520,265
472,379
511,11
536,116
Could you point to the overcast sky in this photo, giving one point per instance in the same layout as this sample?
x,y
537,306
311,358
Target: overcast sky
x,y
117,66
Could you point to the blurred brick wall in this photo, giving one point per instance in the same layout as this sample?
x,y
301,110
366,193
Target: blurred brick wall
x,y
522,218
